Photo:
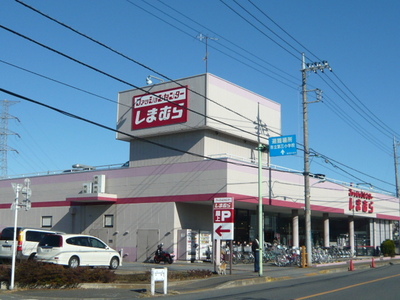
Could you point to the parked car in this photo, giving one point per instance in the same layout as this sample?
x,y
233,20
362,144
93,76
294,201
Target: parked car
x,y
27,242
75,250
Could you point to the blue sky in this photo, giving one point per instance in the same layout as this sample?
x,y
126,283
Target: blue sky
x,y
259,45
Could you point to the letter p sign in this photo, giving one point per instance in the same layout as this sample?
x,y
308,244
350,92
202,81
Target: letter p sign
x,y
223,216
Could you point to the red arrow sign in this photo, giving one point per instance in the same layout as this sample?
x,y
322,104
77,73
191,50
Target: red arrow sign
x,y
220,231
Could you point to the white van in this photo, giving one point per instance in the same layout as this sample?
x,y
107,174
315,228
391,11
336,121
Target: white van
x,y
74,250
27,241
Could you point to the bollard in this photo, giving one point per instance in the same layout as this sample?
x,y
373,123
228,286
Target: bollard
x,y
303,257
373,265
351,265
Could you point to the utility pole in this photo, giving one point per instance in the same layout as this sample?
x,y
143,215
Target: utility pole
x,y
396,173
4,133
261,129
396,166
314,67
202,37
16,205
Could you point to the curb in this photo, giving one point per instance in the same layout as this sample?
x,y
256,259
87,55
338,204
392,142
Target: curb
x,y
361,265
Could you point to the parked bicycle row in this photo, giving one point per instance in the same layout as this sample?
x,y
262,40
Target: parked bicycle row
x,y
281,255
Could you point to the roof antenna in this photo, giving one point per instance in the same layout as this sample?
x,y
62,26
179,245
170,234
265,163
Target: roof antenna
x,y
202,37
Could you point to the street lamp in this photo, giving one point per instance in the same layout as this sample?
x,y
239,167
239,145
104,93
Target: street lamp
x,y
149,81
314,67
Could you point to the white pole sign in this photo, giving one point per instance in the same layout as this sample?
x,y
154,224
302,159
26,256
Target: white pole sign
x,y
224,218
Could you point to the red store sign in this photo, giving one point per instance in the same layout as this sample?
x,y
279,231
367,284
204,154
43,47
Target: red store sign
x,y
360,201
161,108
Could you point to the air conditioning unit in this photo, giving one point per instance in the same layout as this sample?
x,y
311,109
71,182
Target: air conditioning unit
x,y
99,184
87,188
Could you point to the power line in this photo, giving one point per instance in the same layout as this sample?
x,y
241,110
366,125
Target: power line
x,y
259,30
57,81
124,56
330,160
220,44
71,115
74,116
273,32
153,70
287,33
375,119
371,140
121,80
221,38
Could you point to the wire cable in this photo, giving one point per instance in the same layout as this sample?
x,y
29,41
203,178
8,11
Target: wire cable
x,y
152,70
74,116
259,30
128,58
121,80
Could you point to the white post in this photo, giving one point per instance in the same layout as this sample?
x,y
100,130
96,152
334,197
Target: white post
x,y
17,188
326,229
351,235
217,255
295,223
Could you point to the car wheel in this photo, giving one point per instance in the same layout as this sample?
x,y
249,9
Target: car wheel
x,y
73,262
32,256
114,263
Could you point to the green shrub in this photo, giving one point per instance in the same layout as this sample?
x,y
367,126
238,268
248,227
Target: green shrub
x,y
5,273
388,248
33,274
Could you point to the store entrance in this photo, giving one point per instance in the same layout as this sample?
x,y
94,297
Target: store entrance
x,y
278,228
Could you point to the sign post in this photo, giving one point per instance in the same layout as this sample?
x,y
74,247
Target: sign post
x,y
224,220
158,274
283,145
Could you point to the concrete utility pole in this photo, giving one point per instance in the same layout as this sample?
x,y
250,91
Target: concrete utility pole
x,y
396,166
396,173
315,67
261,129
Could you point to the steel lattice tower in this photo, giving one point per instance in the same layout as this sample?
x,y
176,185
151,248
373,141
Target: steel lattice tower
x,y
4,133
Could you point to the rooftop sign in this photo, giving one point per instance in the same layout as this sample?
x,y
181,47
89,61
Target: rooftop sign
x,y
160,108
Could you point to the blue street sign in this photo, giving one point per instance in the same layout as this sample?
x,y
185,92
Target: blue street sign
x,y
282,145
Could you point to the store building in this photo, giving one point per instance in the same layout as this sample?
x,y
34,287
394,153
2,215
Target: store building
x,y
191,141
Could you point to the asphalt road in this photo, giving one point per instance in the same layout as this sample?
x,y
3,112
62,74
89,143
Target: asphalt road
x,y
334,282
367,284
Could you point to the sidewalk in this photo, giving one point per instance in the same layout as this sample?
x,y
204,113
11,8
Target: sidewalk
x,y
242,275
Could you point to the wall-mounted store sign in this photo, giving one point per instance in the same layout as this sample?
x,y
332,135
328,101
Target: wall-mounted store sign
x,y
361,202
160,108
